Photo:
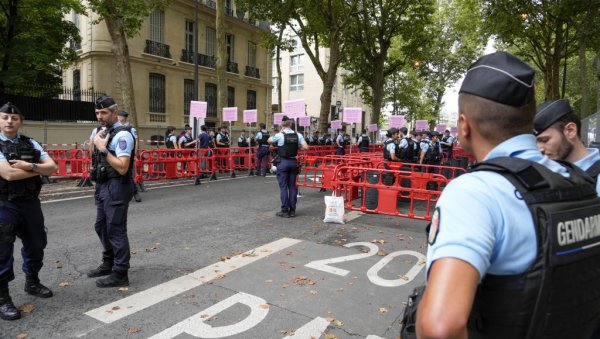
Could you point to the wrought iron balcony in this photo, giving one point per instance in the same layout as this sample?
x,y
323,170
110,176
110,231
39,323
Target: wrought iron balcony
x,y
206,60
232,67
229,11
188,56
252,72
157,48
211,4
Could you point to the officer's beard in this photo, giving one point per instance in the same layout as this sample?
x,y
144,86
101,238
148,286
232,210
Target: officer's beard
x,y
564,149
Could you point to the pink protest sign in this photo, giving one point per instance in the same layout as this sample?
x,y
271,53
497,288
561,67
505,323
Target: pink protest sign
x,y
352,115
440,128
277,118
421,125
453,131
373,128
304,121
198,109
397,121
230,114
336,124
294,108
250,116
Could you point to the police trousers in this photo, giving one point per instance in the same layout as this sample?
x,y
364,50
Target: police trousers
x,y
112,202
262,154
287,170
23,219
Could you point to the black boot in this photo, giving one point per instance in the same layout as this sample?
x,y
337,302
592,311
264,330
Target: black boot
x,y
283,214
34,287
115,279
292,212
104,269
8,311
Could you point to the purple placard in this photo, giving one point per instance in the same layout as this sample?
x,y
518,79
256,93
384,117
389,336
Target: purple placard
x,y
230,114
336,124
277,118
453,131
352,115
198,109
294,108
397,121
440,128
421,125
373,128
304,121
250,116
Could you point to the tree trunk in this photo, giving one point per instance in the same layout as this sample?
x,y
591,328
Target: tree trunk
x,y
328,82
10,33
556,58
377,89
583,76
120,49
221,59
597,64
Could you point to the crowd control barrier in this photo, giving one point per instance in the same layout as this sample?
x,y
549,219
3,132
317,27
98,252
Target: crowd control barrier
x,y
71,162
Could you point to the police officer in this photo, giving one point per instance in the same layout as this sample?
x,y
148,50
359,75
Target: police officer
x,y
341,142
391,151
187,140
170,138
203,144
558,135
363,141
447,143
22,161
223,138
405,146
112,161
288,142
122,118
486,255
262,154
416,138
431,150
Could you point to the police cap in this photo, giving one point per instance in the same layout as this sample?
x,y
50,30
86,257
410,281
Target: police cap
x,y
392,131
10,108
104,102
500,77
434,134
550,112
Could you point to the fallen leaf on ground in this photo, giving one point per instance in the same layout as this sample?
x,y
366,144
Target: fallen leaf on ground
x,y
64,284
403,277
22,335
338,323
27,308
290,254
382,310
133,252
382,253
223,257
381,241
123,289
202,316
313,292
285,286
330,336
266,250
268,281
219,276
133,330
116,308
264,306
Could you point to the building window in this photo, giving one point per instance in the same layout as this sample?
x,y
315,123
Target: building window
x,y
190,42
210,95
230,96
188,95
251,54
297,82
77,85
211,41
228,8
296,63
229,42
157,93
251,100
157,25
274,81
295,44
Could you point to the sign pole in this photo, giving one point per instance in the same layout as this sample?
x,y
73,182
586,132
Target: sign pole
x,y
231,164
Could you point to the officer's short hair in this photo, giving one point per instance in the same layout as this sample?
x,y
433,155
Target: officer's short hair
x,y
262,125
413,133
404,130
496,121
244,130
570,117
286,123
203,128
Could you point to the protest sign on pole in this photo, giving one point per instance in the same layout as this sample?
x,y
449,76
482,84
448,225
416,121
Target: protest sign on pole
x,y
421,125
198,109
294,108
230,114
250,116
352,115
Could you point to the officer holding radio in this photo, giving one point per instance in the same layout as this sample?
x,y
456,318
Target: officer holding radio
x,y
112,162
22,161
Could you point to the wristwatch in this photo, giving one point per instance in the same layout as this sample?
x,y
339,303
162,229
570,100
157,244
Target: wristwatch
x,y
33,167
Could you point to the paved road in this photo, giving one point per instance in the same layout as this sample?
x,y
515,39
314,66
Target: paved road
x,y
214,261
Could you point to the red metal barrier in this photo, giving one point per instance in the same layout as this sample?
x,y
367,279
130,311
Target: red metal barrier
x,y
391,192
71,162
318,172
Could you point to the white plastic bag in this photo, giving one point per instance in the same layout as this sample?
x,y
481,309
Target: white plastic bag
x,y
334,209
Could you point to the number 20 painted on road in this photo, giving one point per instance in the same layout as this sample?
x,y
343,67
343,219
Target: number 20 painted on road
x,y
373,272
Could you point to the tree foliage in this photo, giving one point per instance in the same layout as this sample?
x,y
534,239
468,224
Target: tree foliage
x,y
34,38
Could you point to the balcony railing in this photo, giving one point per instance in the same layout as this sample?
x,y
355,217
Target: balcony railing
x,y
252,72
157,48
188,56
207,60
211,4
232,67
229,11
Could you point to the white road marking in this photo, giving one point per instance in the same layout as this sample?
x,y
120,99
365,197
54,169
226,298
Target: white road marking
x,y
141,300
373,337
352,215
374,277
314,329
196,325
323,265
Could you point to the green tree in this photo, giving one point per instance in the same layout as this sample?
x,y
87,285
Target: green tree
x,y
34,38
370,36
124,20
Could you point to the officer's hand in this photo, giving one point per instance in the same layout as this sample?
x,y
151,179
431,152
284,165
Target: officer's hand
x,y
20,164
101,140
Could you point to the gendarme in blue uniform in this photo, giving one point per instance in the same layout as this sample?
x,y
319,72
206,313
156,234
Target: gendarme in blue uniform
x,y
262,153
287,170
587,162
482,222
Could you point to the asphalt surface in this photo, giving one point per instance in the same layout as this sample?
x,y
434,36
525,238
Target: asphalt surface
x,y
214,261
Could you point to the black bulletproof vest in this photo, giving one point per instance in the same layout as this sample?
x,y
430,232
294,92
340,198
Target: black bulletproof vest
x,y
185,139
101,170
364,142
446,147
243,143
594,170
558,296
407,154
224,139
345,141
433,153
169,143
24,188
265,137
386,153
290,146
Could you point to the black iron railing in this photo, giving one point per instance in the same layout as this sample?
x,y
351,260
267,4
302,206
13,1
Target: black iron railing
x,y
207,60
232,67
252,72
157,48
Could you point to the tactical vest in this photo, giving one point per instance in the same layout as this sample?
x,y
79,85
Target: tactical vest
x,y
169,143
24,188
243,143
364,142
407,154
446,147
185,139
386,153
558,296
224,139
433,155
252,142
101,170
328,142
417,151
290,146
265,137
345,141
321,140
594,170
